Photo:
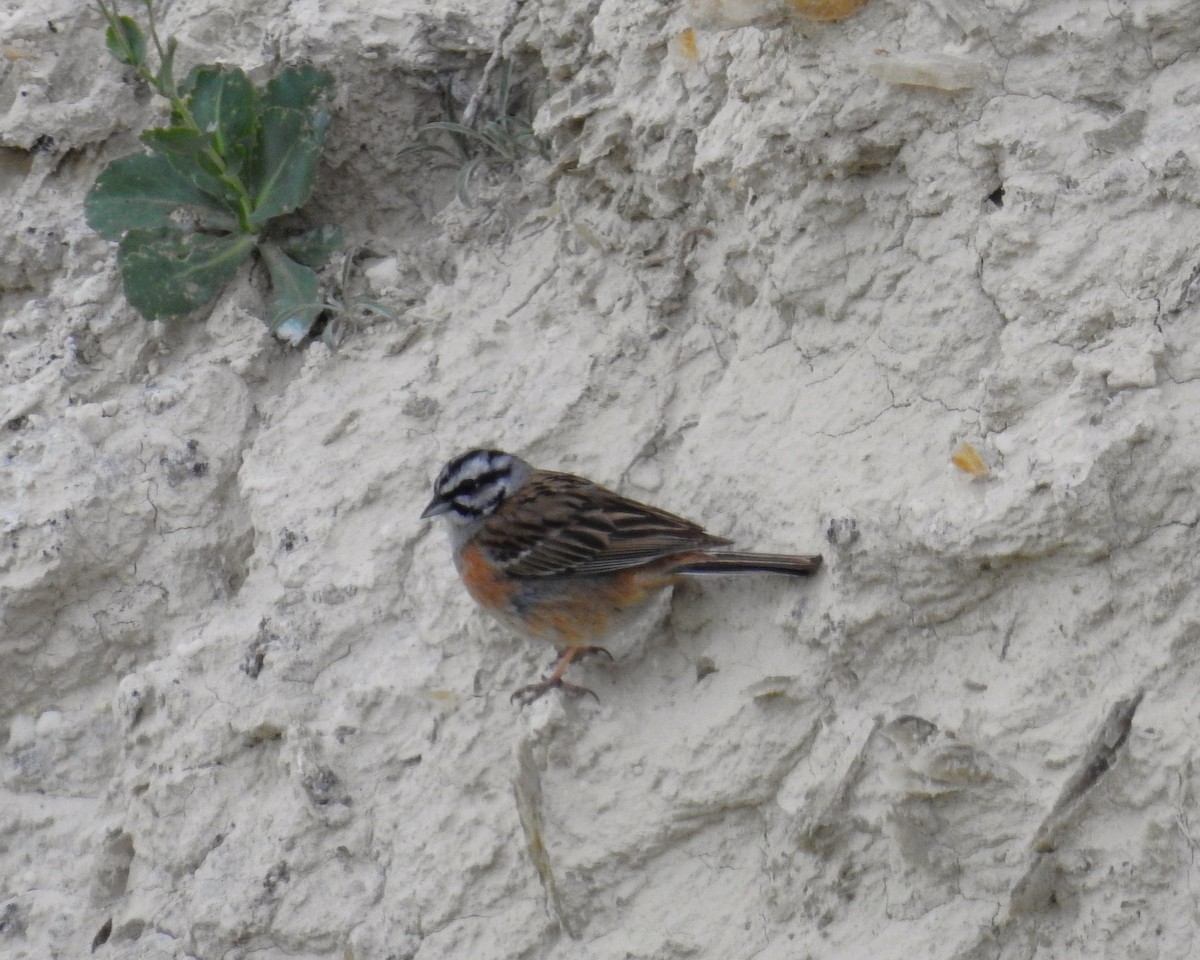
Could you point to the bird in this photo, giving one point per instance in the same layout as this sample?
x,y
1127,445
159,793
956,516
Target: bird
x,y
556,557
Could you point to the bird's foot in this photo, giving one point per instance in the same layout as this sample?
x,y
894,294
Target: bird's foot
x,y
524,696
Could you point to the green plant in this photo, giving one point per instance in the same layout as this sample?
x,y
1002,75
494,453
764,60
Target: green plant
x,y
212,185
346,310
504,138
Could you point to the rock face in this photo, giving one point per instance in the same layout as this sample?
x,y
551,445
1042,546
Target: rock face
x,y
766,272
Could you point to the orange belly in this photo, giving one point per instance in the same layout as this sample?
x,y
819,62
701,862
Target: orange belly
x,y
566,611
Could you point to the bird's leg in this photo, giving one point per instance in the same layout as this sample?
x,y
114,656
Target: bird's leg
x,y
579,654
524,696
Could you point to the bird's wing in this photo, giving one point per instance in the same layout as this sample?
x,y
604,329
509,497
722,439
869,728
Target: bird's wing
x,y
557,524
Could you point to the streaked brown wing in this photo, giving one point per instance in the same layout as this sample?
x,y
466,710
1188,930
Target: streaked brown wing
x,y
558,524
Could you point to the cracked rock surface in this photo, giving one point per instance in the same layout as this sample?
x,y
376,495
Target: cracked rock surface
x,y
768,273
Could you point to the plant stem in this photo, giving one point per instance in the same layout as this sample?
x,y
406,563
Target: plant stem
x,y
180,110
154,36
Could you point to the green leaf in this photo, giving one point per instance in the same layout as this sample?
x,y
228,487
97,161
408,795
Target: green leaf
x,y
298,88
320,123
375,308
177,140
286,167
224,105
139,192
414,148
188,154
166,69
465,172
169,273
313,247
302,88
125,40
296,302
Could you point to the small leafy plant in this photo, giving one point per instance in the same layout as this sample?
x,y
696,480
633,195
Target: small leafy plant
x,y
212,185
346,310
504,138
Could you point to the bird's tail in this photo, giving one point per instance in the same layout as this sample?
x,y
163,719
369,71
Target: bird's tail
x,y
732,562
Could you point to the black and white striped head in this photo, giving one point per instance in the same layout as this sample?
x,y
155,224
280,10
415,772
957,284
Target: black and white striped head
x,y
474,484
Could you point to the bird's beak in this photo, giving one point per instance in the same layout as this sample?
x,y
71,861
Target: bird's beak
x,y
436,508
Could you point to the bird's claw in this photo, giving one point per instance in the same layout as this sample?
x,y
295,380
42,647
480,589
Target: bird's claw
x,y
524,696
